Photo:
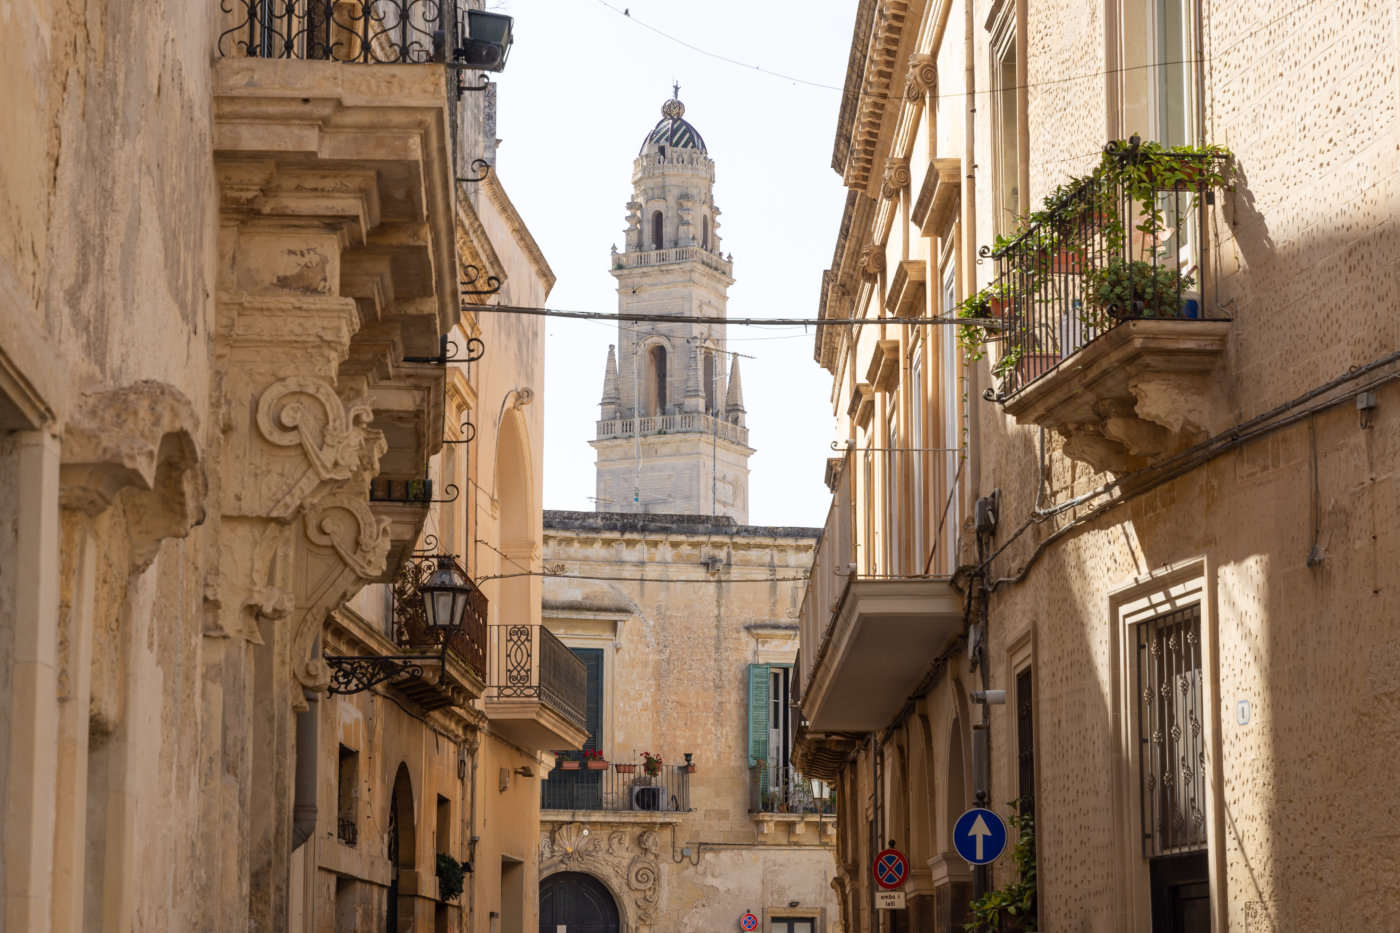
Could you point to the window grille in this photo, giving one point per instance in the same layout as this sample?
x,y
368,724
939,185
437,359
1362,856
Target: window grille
x,y
1170,730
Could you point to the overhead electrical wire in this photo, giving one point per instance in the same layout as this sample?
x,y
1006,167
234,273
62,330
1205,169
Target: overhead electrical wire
x,y
739,322
626,12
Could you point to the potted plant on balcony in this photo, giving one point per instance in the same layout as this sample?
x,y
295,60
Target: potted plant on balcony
x,y
625,767
594,759
1120,290
689,764
450,875
565,762
651,764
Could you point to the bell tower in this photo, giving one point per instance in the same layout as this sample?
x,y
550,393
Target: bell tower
x,y
671,435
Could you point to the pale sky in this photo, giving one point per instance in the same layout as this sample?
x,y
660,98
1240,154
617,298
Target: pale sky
x,y
583,86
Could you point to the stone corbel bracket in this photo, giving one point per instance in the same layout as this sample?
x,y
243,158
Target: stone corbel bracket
x,y
895,179
140,440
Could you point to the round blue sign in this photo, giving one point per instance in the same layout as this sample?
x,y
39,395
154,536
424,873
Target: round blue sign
x,y
979,836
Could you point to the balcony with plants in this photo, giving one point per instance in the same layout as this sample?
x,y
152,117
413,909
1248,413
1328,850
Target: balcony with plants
x,y
1101,321
586,781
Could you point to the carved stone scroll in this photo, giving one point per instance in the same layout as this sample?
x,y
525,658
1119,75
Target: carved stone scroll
x,y
922,79
896,178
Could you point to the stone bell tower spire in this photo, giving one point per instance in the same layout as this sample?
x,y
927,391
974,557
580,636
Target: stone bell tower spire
x,y
671,439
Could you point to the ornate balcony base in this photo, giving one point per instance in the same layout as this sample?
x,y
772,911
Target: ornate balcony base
x,y
1140,391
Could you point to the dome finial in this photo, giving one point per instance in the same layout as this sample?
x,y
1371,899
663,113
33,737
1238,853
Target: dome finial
x,y
673,109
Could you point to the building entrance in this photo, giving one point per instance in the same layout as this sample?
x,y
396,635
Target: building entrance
x,y
572,902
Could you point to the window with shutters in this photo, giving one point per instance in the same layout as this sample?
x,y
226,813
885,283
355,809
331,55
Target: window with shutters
x,y
583,789
778,787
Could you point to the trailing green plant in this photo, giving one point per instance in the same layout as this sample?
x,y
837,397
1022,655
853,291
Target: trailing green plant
x,y
1133,289
451,875
1010,908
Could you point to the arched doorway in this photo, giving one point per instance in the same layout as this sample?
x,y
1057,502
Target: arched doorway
x,y
577,902
401,849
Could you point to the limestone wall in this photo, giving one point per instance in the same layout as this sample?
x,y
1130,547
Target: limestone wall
x,y
677,639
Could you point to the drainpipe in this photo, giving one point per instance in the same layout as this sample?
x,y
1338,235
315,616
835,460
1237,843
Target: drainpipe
x,y
304,808
969,204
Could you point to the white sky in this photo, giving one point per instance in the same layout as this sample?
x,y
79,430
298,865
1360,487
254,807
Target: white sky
x,y
583,86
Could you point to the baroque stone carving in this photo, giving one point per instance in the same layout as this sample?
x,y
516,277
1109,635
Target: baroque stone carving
x,y
142,438
302,410
922,79
872,262
896,178
625,866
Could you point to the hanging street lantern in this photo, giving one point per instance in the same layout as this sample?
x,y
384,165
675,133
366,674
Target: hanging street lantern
x,y
445,595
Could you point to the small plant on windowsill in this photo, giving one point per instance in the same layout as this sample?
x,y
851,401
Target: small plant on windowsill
x,y
451,876
1010,908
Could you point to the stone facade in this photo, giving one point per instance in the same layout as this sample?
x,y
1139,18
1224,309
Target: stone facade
x,y
1119,511
682,609
225,280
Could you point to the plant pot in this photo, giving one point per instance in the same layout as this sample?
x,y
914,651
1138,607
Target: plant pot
x,y
597,764
999,308
1067,262
690,769
1034,365
570,765
625,769
652,774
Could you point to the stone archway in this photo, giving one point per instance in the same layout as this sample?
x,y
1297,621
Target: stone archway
x,y
402,848
578,903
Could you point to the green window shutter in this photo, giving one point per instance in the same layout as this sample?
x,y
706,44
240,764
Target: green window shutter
x,y
758,715
592,659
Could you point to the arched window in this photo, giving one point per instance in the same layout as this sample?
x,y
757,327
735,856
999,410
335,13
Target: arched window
x,y
656,381
710,381
656,231
705,232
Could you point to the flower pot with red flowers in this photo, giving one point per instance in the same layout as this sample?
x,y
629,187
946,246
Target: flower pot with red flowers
x,y
651,764
595,760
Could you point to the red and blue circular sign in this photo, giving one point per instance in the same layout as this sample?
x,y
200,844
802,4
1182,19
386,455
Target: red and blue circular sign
x,y
891,869
748,923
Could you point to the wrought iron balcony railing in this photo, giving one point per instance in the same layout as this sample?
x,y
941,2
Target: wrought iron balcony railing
x,y
529,662
788,791
892,517
666,791
411,630
363,31
1123,244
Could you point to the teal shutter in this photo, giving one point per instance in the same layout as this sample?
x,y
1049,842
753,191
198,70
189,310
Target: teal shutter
x,y
758,716
592,659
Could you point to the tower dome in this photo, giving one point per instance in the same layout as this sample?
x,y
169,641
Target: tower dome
x,y
673,130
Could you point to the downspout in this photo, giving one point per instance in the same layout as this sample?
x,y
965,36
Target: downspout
x,y
472,839
304,807
969,204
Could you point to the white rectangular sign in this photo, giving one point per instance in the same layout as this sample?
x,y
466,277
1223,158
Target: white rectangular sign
x,y
889,900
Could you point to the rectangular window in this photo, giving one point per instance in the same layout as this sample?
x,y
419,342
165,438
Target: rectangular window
x,y
347,794
1171,733
1006,139
1025,741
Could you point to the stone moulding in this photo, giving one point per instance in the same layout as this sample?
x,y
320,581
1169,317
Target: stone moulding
x,y
1143,390
623,863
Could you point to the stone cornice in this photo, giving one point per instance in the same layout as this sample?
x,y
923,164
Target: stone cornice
x,y
519,231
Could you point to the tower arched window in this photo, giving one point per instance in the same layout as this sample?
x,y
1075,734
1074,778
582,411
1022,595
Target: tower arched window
x,y
656,229
705,232
656,357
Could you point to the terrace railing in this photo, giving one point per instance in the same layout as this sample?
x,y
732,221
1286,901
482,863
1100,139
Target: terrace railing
x,y
363,31
1109,251
410,622
530,662
666,791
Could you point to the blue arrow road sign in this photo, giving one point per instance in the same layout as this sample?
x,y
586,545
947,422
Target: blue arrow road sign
x,y
979,836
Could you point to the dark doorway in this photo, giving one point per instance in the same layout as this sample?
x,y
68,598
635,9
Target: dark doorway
x,y
576,903
1180,894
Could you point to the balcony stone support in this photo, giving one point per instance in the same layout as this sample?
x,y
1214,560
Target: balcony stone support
x,y
336,260
1140,391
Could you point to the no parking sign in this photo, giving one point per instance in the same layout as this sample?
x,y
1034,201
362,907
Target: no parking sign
x,y
891,868
748,923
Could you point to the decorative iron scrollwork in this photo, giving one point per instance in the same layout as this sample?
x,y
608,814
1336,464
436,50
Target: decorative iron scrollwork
x,y
430,545
358,673
471,275
475,350
365,31
468,433
482,169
